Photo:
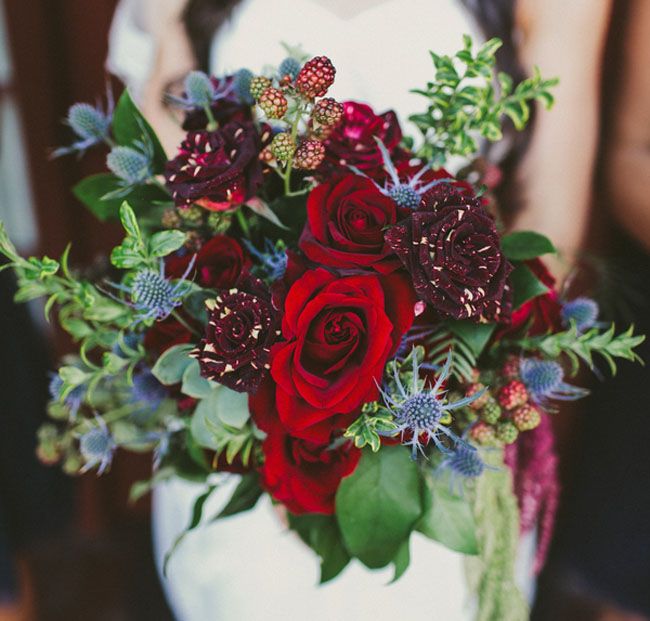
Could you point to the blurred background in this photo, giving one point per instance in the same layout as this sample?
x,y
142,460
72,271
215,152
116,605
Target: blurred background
x,y
75,548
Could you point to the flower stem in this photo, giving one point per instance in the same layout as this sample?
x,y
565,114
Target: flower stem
x,y
176,315
243,223
212,123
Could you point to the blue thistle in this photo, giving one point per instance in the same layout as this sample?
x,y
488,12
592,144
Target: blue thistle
x,y
409,193
73,399
153,296
544,380
289,66
91,125
147,390
200,91
463,464
419,413
242,86
582,311
97,447
132,166
273,259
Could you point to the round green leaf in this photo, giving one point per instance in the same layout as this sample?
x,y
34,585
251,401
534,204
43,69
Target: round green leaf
x,y
169,368
232,407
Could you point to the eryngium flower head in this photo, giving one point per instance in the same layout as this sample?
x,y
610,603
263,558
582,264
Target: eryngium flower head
x,y
451,248
419,413
216,170
130,165
242,326
97,447
544,380
582,311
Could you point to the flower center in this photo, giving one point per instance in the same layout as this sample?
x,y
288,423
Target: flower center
x,y
421,411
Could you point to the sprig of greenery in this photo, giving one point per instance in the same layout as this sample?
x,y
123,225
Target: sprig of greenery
x,y
463,361
367,430
578,345
464,103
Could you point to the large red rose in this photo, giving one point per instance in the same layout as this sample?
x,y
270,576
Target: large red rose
x,y
353,141
339,334
304,475
345,226
218,264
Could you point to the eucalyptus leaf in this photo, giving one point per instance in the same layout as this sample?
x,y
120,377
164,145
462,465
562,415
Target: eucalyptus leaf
x,y
232,407
193,385
171,365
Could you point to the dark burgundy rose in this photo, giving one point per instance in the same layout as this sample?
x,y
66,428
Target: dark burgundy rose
x,y
451,248
345,226
225,109
242,326
304,476
353,141
165,334
216,170
218,264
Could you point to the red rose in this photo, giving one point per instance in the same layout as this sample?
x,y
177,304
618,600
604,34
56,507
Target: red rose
x,y
216,169
353,141
345,225
541,314
218,265
339,334
304,475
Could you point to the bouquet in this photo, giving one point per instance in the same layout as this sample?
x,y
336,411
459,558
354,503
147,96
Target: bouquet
x,y
304,296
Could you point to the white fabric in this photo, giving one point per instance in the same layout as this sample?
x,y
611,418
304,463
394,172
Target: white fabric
x,y
248,568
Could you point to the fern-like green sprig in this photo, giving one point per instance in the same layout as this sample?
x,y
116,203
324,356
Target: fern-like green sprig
x,y
464,101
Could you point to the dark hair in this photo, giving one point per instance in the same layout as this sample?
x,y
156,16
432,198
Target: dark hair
x,y
496,18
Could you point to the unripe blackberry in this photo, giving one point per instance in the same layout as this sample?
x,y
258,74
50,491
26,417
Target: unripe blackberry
x,y
193,241
327,111
191,215
266,155
482,433
273,103
258,85
478,403
170,219
510,368
506,432
316,77
289,67
512,395
309,155
526,417
283,147
491,411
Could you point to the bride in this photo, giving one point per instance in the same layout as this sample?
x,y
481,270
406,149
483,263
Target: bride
x,y
249,566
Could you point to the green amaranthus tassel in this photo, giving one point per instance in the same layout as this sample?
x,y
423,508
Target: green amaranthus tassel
x,y
491,573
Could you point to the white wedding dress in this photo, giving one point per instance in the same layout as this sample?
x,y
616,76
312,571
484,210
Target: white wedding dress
x,y
249,567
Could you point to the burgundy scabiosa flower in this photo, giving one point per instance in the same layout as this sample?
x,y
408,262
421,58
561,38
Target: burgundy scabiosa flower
x,y
451,248
216,169
242,326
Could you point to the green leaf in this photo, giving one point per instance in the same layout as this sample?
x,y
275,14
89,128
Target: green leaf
x,y
129,126
447,518
193,384
321,533
92,192
73,376
474,335
129,221
525,285
165,242
401,561
245,496
232,407
526,245
171,365
128,255
365,430
378,504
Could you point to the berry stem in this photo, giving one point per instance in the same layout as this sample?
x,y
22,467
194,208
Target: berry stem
x,y
294,134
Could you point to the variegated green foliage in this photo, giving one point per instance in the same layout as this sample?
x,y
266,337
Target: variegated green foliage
x,y
368,428
464,101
